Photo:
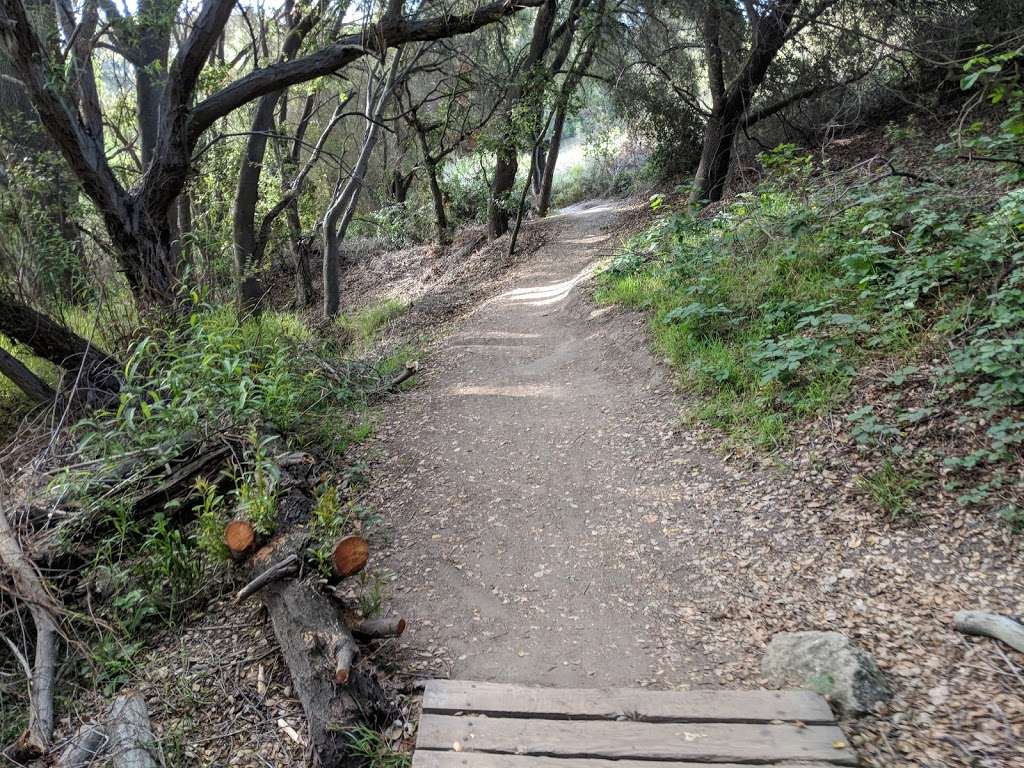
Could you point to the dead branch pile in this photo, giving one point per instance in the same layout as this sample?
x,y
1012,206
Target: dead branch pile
x,y
320,638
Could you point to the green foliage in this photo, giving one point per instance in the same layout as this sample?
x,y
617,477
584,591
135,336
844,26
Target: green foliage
x,y
210,521
997,76
466,187
892,488
770,307
375,751
373,595
258,489
365,324
327,523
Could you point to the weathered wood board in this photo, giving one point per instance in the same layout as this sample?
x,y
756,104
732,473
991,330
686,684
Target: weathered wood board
x,y
491,725
446,697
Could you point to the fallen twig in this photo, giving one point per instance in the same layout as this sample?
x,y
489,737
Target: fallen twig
x,y
990,625
278,570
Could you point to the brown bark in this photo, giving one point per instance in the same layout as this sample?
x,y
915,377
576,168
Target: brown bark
x,y
48,339
506,164
729,103
19,374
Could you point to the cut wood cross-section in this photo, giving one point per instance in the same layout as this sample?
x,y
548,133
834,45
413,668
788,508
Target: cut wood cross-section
x,y
490,725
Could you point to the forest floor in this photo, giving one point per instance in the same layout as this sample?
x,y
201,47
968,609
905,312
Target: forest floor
x,y
553,520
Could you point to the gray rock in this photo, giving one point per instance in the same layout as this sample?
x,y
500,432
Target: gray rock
x,y
829,663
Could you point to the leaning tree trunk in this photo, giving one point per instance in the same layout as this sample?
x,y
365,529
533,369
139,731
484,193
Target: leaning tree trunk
x,y
64,348
36,389
730,104
554,146
715,158
28,586
342,209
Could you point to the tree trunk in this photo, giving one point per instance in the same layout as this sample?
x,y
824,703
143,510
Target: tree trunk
x,y
440,215
300,255
506,165
539,164
51,341
554,146
248,246
336,689
730,104
247,193
340,212
569,86
715,159
505,169
37,389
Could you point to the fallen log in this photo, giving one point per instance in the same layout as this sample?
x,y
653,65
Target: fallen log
x,y
131,738
239,538
377,629
34,742
88,743
180,482
990,625
336,691
350,556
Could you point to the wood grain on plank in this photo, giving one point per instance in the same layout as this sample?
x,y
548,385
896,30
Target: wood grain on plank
x,y
498,700
697,742
432,759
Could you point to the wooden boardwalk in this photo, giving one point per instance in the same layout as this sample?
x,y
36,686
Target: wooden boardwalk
x,y
491,725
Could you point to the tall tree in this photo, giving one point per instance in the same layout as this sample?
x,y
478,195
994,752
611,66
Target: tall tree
x,y
506,163
248,249
139,219
380,88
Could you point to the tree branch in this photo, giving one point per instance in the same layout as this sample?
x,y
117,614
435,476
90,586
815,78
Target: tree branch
x,y
387,34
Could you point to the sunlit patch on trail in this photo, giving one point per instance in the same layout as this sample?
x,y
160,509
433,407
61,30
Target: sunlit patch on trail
x,y
512,390
552,293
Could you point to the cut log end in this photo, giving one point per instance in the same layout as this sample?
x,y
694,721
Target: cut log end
x,y
376,629
240,538
350,556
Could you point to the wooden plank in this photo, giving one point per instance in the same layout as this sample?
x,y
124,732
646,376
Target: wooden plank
x,y
448,697
695,742
432,759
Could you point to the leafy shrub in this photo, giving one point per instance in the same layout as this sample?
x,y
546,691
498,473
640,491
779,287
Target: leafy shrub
x,y
770,307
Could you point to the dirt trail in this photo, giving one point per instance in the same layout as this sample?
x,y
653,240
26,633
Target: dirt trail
x,y
554,521
531,479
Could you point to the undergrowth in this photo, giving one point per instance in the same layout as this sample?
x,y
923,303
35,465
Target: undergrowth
x,y
263,386
770,308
